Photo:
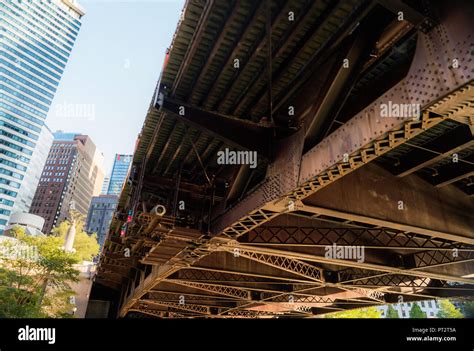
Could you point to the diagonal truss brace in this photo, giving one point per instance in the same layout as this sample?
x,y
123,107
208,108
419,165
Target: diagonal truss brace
x,y
367,237
173,305
233,292
281,262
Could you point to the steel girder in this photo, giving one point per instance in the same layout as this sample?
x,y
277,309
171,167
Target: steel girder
x,y
201,273
444,146
442,93
292,262
364,138
206,275
285,263
453,172
176,306
220,289
440,235
354,276
157,314
426,260
233,131
176,296
377,238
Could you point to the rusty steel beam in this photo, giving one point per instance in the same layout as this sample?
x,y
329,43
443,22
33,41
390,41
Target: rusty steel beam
x,y
233,131
452,172
257,50
156,181
416,267
238,182
291,178
165,147
186,307
358,52
220,289
282,177
403,204
283,43
325,51
418,19
370,238
200,273
195,42
446,145
259,11
204,72
369,135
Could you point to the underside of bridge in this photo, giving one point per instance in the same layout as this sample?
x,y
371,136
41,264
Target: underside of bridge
x,y
360,117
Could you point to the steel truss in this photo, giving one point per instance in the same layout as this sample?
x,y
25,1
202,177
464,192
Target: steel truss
x,y
220,289
281,262
366,136
197,274
174,306
371,140
380,238
300,299
173,296
282,258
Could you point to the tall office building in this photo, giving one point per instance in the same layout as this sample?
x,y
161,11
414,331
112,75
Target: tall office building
x,y
73,173
33,173
100,216
105,185
119,173
36,38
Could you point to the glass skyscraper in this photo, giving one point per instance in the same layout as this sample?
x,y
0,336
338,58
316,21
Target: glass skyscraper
x,y
36,39
35,168
119,173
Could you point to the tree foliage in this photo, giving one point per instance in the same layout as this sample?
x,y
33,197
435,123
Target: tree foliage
x,y
368,312
35,272
392,312
85,245
469,309
416,312
448,310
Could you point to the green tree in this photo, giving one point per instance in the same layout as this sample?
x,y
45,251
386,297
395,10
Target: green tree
x,y
37,284
85,245
416,311
448,310
368,312
56,266
16,301
392,312
468,309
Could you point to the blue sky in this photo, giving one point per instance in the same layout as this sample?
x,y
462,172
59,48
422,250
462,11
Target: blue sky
x,y
112,72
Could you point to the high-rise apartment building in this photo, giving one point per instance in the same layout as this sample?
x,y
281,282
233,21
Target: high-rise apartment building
x,y
119,173
36,39
73,174
100,216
